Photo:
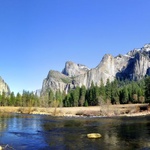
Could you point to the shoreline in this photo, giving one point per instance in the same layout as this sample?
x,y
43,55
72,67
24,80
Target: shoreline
x,y
128,110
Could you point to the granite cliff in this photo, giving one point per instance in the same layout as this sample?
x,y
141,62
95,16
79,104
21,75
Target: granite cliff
x,y
4,87
133,66
72,69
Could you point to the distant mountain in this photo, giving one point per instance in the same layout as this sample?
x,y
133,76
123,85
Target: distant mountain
x,y
37,92
133,66
4,87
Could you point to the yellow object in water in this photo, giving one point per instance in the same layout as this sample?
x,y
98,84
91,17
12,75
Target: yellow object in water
x,y
94,135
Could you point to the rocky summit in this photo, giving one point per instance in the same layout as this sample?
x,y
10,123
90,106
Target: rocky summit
x,y
4,87
133,66
72,69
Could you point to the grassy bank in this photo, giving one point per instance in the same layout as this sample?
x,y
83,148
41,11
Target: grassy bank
x,y
105,110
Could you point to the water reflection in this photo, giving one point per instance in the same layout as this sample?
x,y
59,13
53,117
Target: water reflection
x,y
45,132
3,123
135,132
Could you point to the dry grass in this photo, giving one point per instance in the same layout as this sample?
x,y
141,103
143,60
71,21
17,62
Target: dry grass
x,y
104,110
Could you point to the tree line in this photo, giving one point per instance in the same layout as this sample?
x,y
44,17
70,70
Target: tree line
x,y
116,92
25,99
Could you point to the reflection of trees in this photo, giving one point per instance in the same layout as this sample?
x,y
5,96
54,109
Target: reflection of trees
x,y
107,128
64,133
77,138
110,137
74,134
3,121
116,133
134,132
3,124
52,132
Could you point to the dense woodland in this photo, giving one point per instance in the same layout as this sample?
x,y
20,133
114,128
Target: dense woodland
x,y
116,92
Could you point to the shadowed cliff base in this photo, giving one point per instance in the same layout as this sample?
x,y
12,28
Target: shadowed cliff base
x,y
105,110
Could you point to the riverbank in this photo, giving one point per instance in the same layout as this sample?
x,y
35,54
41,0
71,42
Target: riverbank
x,y
105,110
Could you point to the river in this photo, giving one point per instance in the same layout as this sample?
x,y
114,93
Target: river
x,y
41,132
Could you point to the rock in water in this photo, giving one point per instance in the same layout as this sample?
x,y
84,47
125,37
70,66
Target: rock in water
x,y
94,135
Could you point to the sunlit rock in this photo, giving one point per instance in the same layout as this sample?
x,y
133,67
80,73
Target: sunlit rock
x,y
94,135
134,65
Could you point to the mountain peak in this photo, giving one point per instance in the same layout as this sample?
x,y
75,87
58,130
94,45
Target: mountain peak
x,y
134,66
72,69
4,87
146,47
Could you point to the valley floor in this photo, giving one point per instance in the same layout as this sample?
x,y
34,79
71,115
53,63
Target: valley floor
x,y
105,110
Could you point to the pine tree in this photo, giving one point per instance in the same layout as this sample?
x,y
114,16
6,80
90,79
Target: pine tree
x,y
102,94
95,95
66,101
3,101
75,96
124,99
0,100
58,96
25,98
91,95
108,91
147,89
12,100
82,95
18,99
86,103
50,97
114,92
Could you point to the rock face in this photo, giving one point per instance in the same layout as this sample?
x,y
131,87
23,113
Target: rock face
x,y
37,92
134,66
4,87
72,69
102,71
56,81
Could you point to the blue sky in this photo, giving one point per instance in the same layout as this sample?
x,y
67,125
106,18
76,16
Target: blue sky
x,y
39,35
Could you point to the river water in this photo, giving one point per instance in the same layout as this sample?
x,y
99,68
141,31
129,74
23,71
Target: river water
x,y
41,132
